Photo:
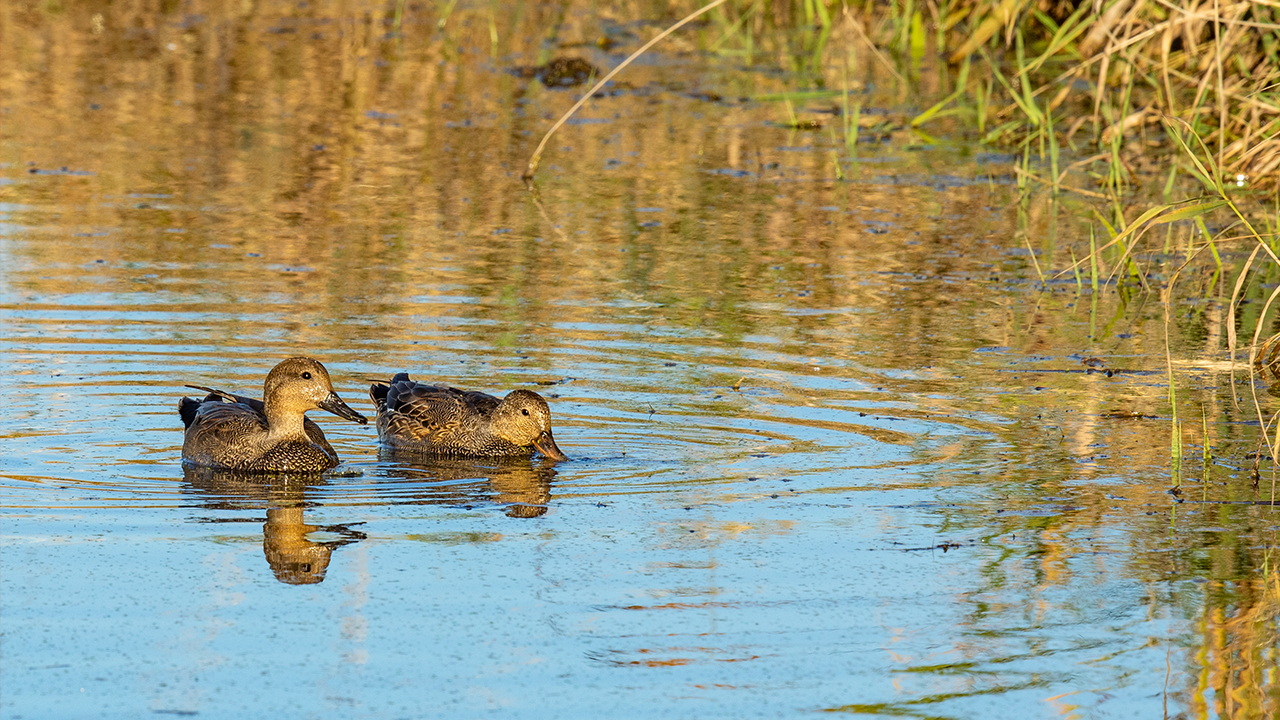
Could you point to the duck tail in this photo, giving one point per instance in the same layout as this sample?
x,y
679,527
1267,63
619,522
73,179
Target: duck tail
x,y
378,394
187,409
384,395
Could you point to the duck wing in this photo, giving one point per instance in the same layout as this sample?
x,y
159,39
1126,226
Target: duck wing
x,y
220,417
220,432
415,412
439,404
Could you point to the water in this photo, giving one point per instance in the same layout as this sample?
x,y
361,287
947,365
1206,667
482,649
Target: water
x,y
843,445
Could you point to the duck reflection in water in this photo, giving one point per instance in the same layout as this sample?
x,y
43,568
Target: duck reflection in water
x,y
519,483
294,557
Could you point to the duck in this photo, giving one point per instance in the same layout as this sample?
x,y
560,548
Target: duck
x,y
234,432
440,420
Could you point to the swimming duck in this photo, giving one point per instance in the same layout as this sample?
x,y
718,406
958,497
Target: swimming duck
x,y
439,420
269,435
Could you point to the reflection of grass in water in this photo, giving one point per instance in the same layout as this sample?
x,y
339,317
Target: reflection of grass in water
x,y
1236,637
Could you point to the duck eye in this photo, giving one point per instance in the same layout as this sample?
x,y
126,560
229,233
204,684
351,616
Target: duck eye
x,y
306,376
524,411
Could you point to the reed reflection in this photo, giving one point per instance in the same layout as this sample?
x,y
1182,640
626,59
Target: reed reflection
x,y
294,557
521,484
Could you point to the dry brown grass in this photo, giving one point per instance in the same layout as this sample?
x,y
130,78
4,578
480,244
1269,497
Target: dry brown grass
x,y
1118,70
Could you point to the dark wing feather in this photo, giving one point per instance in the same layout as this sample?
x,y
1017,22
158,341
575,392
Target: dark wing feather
x,y
400,384
254,403
423,410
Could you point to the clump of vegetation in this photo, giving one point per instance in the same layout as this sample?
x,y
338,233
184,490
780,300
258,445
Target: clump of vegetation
x,y
560,72
1121,68
1123,78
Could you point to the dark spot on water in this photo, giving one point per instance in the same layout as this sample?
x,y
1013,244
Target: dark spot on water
x,y
559,72
705,96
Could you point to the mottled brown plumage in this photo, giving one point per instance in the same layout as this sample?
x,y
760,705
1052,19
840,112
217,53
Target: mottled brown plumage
x,y
270,435
438,420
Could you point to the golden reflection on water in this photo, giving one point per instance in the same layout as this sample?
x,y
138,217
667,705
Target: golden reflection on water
x,y
198,191
290,543
294,556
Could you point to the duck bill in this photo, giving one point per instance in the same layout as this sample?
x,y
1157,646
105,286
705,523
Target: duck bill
x,y
334,404
547,446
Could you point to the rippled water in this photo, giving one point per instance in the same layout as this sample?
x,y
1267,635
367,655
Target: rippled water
x,y
841,441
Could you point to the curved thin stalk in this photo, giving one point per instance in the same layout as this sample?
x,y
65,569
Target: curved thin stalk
x,y
537,154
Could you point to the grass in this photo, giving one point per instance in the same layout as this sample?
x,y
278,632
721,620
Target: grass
x,y
1112,73
1178,99
1183,96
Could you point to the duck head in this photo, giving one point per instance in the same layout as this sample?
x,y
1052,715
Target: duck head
x,y
300,384
523,418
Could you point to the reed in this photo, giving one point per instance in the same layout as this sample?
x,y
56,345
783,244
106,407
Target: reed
x,y
1121,67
